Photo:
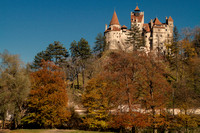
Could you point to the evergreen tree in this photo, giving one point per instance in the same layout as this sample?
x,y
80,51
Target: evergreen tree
x,y
80,53
135,38
84,51
38,58
74,64
74,50
100,44
55,52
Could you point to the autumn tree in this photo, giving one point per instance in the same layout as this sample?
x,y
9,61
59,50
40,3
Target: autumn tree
x,y
196,40
96,100
137,76
47,103
154,85
14,88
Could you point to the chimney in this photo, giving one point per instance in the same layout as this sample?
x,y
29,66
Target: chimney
x,y
106,27
151,23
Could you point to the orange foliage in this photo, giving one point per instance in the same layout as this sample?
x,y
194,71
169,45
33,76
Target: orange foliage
x,y
48,97
140,83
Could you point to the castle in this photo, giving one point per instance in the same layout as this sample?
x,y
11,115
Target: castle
x,y
155,34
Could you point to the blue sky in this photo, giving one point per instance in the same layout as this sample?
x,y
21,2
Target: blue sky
x,y
29,26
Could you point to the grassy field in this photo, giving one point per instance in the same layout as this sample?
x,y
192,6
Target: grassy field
x,y
46,131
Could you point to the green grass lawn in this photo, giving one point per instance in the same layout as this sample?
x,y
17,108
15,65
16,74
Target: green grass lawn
x,y
46,131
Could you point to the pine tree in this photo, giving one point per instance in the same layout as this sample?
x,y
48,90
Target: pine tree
x,y
135,38
55,52
75,59
84,51
100,44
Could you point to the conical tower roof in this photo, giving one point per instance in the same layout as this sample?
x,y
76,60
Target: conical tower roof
x,y
157,22
170,18
137,8
114,19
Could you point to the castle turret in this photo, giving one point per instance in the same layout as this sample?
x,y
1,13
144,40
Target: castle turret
x,y
137,10
114,23
137,18
114,20
171,24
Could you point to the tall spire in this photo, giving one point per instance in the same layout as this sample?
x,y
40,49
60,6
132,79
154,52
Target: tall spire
x,y
114,19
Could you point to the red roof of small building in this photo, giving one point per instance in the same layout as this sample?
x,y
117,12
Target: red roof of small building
x,y
124,27
114,19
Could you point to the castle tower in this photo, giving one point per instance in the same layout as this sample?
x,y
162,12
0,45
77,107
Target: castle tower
x,y
116,34
170,22
155,33
137,18
114,21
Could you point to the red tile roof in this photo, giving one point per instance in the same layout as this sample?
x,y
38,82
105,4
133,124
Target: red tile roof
x,y
146,27
116,29
157,22
137,8
170,18
139,18
159,27
124,27
114,19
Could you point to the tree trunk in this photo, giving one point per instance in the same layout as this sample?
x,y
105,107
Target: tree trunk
x,y
77,81
3,124
83,78
133,129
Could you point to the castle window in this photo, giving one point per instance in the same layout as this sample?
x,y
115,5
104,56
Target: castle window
x,y
118,41
146,36
160,35
166,29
